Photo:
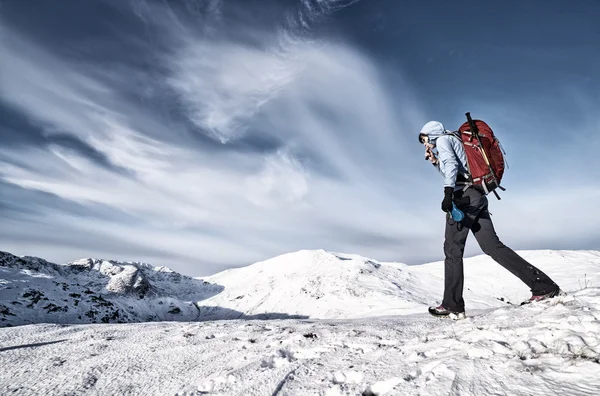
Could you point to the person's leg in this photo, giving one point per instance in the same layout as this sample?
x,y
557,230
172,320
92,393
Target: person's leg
x,y
484,232
454,247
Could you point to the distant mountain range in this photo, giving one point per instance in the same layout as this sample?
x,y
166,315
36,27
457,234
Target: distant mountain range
x,y
304,284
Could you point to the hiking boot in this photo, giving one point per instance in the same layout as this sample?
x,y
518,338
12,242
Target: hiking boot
x,y
441,312
541,297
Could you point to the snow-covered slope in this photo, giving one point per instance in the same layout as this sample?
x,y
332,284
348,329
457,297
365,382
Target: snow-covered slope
x,y
551,347
304,284
547,348
33,290
485,280
322,284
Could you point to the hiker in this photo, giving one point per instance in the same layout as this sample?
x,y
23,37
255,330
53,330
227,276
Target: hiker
x,y
446,151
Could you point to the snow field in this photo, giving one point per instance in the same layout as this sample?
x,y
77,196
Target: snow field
x,y
550,347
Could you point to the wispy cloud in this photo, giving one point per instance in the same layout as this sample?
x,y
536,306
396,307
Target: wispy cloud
x,y
225,151
324,102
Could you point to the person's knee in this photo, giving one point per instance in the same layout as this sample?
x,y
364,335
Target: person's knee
x,y
487,249
491,247
452,250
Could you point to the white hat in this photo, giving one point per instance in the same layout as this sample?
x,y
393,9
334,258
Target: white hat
x,y
433,129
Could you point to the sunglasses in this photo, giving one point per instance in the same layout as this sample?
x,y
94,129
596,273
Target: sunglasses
x,y
423,139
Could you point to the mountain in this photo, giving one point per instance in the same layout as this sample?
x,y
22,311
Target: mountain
x,y
303,284
548,347
322,284
34,290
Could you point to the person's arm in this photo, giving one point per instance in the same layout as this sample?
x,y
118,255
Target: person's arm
x,y
431,157
447,156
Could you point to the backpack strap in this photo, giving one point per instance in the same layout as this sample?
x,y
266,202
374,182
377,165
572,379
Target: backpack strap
x,y
467,179
456,134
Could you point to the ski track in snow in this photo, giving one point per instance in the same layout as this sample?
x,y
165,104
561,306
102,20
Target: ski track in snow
x,y
543,348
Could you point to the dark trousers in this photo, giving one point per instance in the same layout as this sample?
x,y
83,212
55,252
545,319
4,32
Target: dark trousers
x,y
477,219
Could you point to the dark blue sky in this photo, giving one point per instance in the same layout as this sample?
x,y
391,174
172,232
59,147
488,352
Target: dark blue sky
x,y
205,134
460,54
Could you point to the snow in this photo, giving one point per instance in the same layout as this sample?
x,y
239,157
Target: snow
x,y
33,290
323,284
380,342
544,348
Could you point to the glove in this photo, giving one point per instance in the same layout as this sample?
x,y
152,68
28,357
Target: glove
x,y
447,202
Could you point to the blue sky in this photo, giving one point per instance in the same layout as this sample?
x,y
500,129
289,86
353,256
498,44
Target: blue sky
x,y
208,134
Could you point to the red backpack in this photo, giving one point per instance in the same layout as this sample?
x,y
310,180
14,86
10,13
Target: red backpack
x,y
484,154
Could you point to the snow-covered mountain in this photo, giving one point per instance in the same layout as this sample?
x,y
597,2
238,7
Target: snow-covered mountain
x,y
551,347
315,284
33,290
322,284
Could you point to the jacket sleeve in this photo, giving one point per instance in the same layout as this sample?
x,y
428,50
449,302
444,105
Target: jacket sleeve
x,y
437,167
447,156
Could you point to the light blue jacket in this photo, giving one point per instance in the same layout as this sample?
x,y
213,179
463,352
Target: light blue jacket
x,y
452,159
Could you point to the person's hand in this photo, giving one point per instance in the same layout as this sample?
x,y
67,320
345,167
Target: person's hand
x,y
447,202
429,155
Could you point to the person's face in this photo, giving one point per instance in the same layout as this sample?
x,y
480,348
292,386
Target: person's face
x,y
425,140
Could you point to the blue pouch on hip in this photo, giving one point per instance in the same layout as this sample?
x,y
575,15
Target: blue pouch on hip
x,y
457,214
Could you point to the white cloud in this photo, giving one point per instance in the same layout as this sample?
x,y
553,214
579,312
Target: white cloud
x,y
349,176
282,181
223,84
227,210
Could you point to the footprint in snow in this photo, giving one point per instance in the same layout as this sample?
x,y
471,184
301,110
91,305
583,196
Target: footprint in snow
x,y
346,377
387,343
478,352
275,361
89,381
216,384
363,348
437,371
285,356
334,391
215,335
382,387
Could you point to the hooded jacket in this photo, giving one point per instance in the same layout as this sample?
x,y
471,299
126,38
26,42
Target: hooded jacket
x,y
450,153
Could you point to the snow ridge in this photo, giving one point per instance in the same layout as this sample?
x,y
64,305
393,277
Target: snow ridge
x,y
304,284
548,347
322,284
33,290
